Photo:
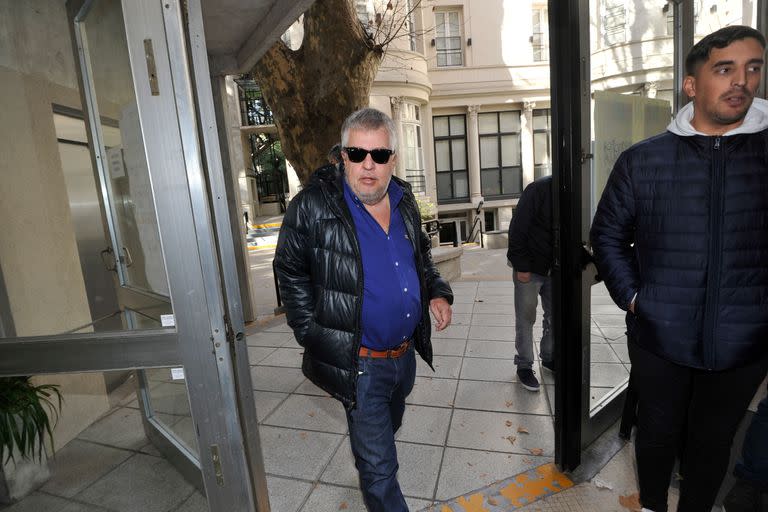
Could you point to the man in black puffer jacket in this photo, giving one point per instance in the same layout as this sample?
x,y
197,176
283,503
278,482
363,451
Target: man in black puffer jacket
x,y
357,280
681,239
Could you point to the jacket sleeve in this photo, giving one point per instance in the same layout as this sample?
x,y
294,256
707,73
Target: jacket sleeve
x,y
518,253
436,285
292,267
613,233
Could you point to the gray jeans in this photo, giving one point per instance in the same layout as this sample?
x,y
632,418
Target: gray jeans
x,y
526,300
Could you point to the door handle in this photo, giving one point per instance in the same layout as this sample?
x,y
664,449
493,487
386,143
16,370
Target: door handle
x,y
108,258
128,257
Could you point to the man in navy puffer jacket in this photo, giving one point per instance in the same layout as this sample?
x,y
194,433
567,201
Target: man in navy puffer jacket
x,y
681,239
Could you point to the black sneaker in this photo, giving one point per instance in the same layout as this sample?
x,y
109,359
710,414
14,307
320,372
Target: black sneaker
x,y
549,365
527,378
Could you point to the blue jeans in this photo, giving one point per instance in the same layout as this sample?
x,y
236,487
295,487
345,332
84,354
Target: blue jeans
x,y
753,465
526,300
382,386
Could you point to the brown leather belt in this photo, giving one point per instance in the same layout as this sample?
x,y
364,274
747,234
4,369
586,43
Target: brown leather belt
x,y
392,353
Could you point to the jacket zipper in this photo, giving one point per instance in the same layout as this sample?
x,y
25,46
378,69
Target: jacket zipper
x,y
715,247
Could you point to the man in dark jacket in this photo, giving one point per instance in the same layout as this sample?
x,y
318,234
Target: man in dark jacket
x,y
530,253
357,280
681,239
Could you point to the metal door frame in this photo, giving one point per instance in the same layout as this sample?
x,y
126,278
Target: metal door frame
x,y
199,339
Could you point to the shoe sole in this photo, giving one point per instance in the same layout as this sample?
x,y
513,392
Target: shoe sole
x,y
530,388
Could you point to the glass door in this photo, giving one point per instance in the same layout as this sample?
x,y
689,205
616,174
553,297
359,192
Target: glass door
x,y
168,365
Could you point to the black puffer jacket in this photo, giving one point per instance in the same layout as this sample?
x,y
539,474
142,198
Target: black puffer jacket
x,y
530,230
320,275
696,209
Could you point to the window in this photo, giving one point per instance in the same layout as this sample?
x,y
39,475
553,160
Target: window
x,y
451,157
414,156
414,39
362,12
614,18
540,36
500,164
542,143
448,38
490,220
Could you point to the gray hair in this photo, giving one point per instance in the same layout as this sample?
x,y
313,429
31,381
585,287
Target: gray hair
x,y
369,119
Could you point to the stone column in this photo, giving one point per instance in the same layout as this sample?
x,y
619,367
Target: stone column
x,y
650,89
473,155
526,142
397,117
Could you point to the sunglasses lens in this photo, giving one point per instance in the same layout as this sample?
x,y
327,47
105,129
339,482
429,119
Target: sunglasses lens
x,y
380,156
357,155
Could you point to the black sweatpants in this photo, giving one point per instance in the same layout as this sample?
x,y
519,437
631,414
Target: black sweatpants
x,y
697,409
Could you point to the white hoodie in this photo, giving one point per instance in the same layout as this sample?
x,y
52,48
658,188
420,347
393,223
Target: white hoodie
x,y
756,120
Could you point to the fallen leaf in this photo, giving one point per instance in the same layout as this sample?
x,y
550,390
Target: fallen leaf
x,y
631,502
492,501
522,430
508,423
526,460
509,403
483,475
601,484
311,414
343,506
511,439
536,451
470,464
303,435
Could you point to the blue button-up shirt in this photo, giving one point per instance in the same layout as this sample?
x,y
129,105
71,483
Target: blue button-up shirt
x,y
391,295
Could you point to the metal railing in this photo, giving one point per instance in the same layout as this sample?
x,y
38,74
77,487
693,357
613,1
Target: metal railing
x,y
477,226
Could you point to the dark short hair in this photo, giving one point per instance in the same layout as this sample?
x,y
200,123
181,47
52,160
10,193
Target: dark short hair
x,y
699,54
335,153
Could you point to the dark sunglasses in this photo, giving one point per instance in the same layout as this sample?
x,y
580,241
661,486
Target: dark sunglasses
x,y
380,155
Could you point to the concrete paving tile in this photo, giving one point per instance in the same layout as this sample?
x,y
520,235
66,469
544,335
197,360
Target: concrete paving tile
x,y
426,425
286,357
477,368
464,308
286,495
76,506
550,391
266,402
496,299
306,412
596,394
491,349
620,349
603,300
499,284
195,503
461,318
607,309
607,374
309,388
79,464
122,428
464,297
36,502
448,347
296,453
610,320
331,498
466,470
614,333
433,391
499,320
602,353
269,378
270,339
490,308
452,331
170,398
597,339
281,327
419,466
257,354
492,430
491,333
447,367
500,397
141,484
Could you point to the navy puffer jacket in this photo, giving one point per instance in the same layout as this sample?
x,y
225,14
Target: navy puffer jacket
x,y
320,275
696,209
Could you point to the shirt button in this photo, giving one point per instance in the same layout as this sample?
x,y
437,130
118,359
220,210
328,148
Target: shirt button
x,y
408,315
405,289
397,264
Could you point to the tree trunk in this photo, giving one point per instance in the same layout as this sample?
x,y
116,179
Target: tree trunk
x,y
313,89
